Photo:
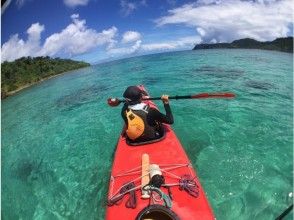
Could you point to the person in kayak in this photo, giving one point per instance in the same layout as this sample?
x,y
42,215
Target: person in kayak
x,y
143,122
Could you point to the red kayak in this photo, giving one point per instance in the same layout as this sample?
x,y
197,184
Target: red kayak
x,y
178,193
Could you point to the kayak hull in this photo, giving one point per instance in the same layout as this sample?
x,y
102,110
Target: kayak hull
x,y
171,157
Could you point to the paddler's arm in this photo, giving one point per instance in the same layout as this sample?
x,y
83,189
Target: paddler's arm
x,y
169,115
158,116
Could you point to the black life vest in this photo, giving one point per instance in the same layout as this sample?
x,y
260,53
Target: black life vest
x,y
138,127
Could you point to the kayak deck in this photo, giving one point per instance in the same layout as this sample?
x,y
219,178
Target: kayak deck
x,y
174,164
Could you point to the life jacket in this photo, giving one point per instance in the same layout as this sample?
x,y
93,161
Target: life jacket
x,y
138,128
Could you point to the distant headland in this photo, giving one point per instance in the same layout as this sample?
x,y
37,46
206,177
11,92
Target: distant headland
x,y
279,44
27,71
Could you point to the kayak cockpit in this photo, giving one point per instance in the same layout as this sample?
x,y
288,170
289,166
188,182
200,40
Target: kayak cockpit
x,y
161,136
155,212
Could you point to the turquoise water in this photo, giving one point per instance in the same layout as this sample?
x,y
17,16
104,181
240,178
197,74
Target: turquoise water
x,y
58,137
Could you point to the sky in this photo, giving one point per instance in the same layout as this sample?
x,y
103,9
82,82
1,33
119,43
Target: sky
x,y
101,30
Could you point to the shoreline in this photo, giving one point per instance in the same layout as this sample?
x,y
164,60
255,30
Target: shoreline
x,y
14,92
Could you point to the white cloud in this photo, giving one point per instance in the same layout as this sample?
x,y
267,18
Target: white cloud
x,y
208,2
127,7
181,43
188,41
74,3
158,46
139,47
131,36
76,38
266,1
201,31
20,3
125,50
16,48
5,6
35,31
213,41
75,16
225,21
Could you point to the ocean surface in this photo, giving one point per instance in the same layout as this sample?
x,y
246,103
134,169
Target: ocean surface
x,y
58,137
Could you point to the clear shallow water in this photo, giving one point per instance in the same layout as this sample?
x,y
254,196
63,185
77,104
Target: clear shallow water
x,y
58,137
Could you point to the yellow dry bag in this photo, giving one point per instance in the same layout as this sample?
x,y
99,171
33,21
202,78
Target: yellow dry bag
x,y
136,125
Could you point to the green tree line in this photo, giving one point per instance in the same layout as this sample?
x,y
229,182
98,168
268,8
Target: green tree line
x,y
284,44
27,70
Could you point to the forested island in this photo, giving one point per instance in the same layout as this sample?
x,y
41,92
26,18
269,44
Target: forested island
x,y
27,71
279,44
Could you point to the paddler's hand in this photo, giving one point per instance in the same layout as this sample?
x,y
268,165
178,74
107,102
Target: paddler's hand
x,y
164,99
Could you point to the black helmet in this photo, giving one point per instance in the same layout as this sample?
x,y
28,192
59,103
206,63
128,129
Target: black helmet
x,y
133,94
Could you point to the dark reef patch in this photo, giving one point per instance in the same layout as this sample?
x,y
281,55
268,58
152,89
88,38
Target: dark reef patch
x,y
137,68
259,85
149,80
26,168
81,97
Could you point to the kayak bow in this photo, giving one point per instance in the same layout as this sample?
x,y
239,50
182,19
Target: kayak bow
x,y
155,181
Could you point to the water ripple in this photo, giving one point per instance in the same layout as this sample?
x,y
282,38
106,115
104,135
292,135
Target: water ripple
x,y
218,72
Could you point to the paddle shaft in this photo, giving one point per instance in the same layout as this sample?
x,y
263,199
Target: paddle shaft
x,y
286,212
170,97
198,96
115,102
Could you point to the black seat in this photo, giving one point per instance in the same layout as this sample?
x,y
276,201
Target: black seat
x,y
161,136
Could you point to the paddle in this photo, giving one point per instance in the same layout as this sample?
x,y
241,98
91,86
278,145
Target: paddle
x,y
115,101
286,212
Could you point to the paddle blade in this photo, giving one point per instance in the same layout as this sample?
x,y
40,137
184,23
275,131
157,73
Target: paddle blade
x,y
213,95
113,102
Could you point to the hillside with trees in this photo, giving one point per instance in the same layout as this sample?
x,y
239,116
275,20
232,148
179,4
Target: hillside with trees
x,y
27,71
279,44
